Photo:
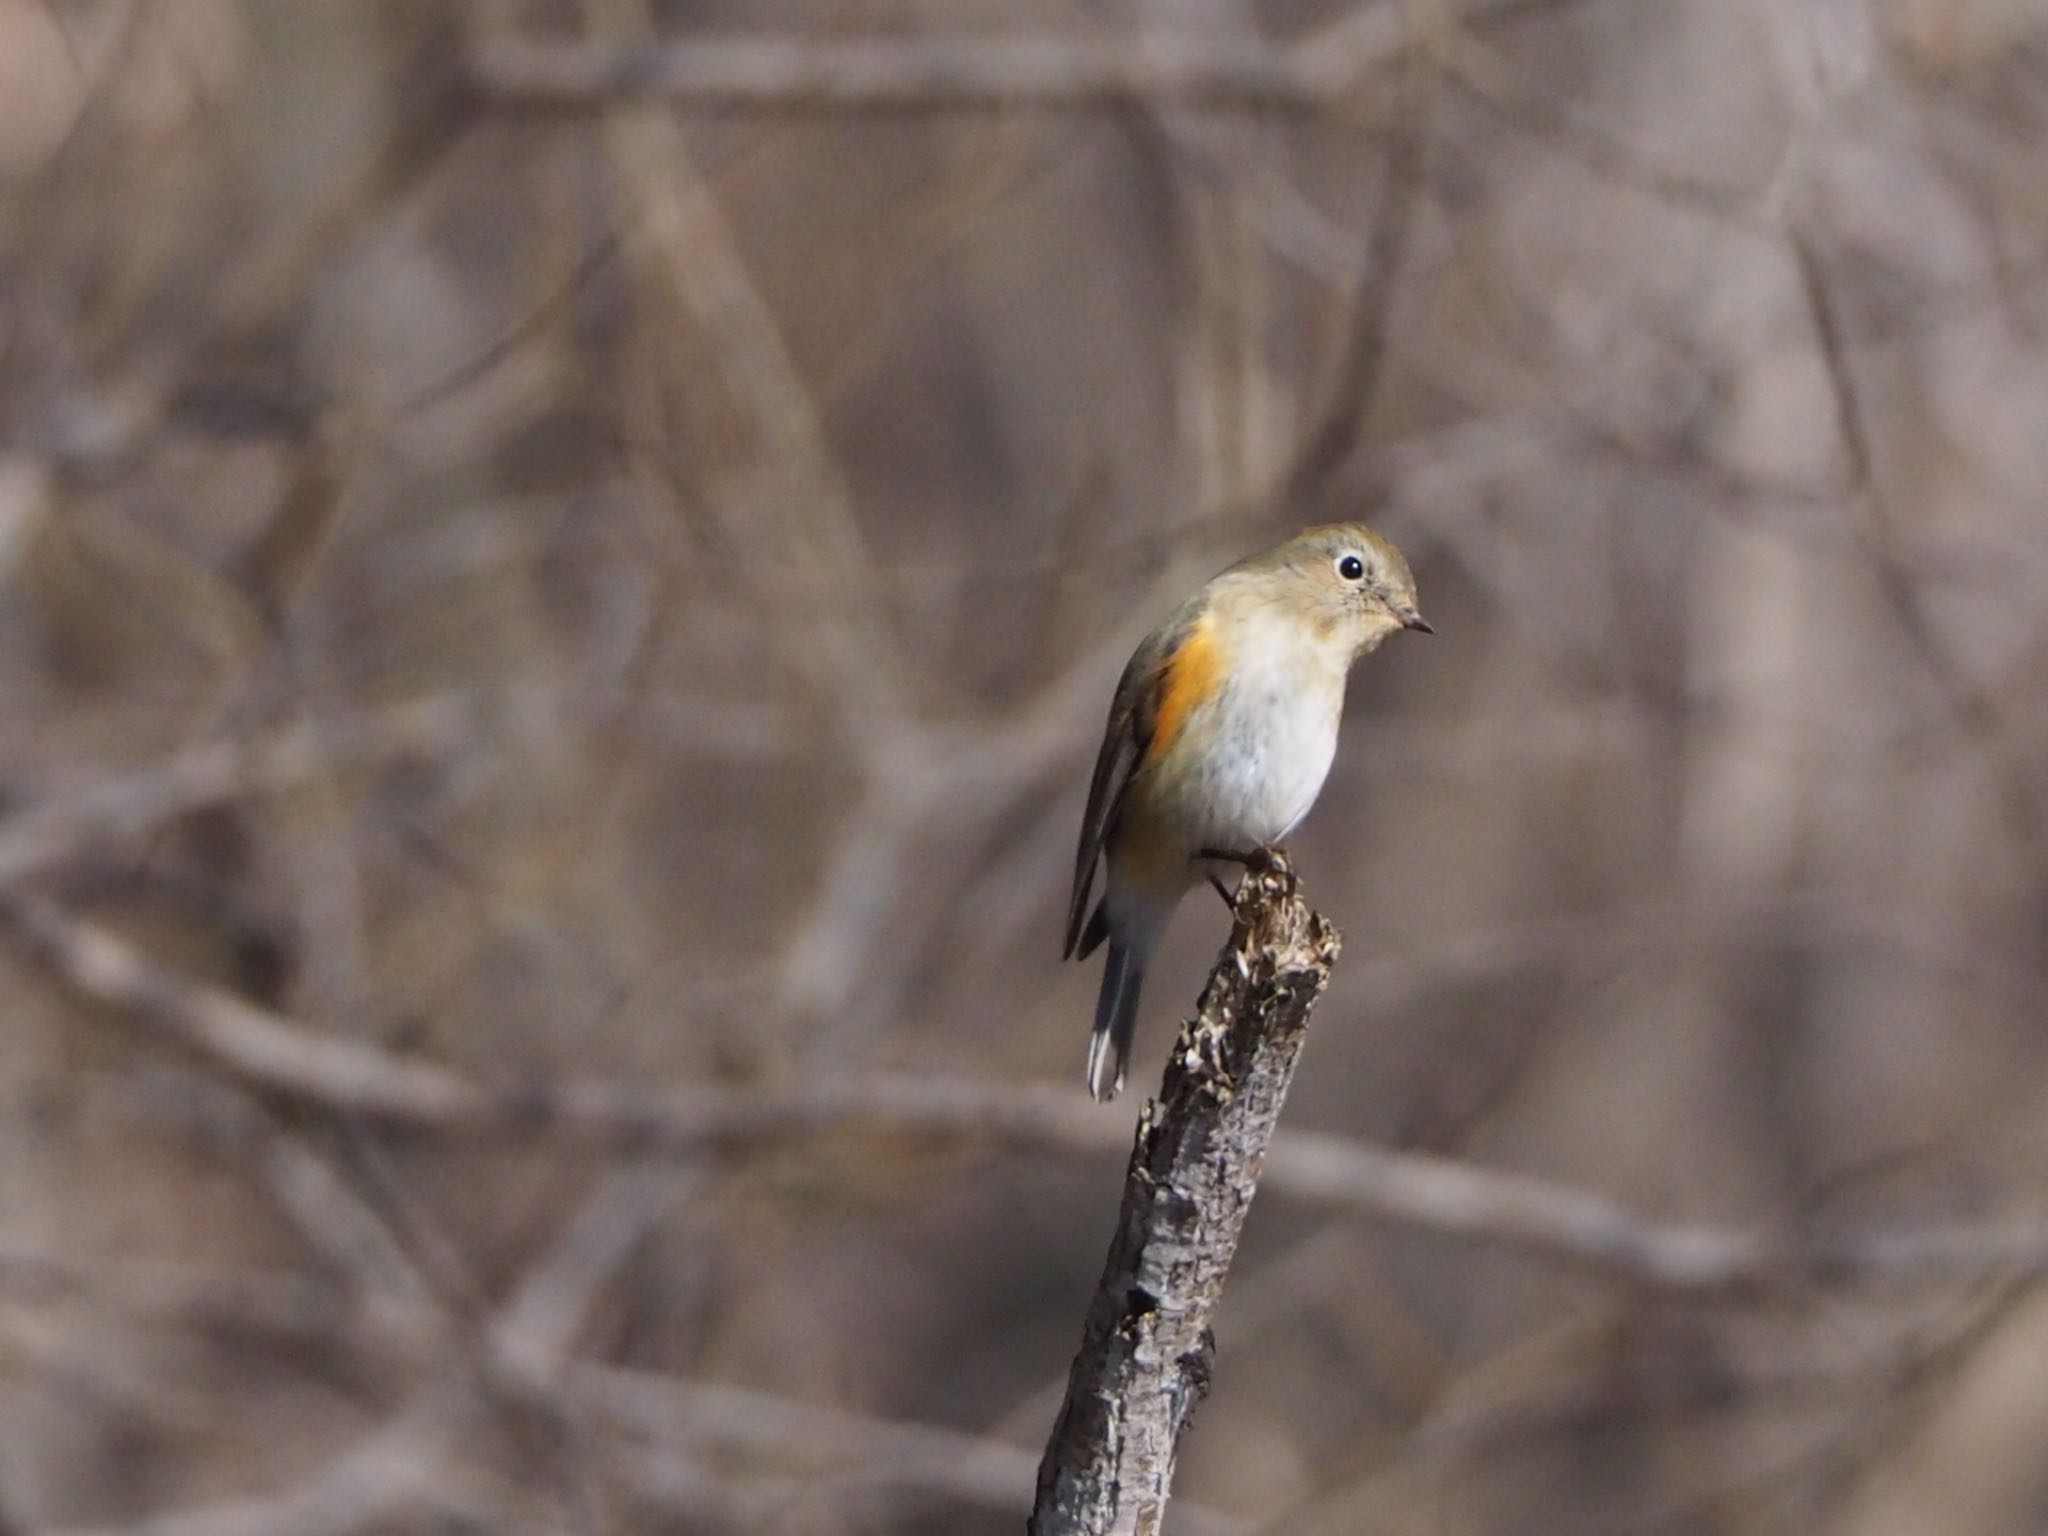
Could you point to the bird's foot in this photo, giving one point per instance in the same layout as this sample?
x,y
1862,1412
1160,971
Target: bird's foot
x,y
1258,860
1261,860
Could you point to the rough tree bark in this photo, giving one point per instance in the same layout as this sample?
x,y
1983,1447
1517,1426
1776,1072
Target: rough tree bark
x,y
1146,1347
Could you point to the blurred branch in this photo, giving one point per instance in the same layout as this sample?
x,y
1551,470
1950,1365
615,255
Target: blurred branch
x,y
1555,1223
1340,426
259,1048
433,115
399,1469
44,833
1485,76
1145,1350
921,73
271,1301
782,482
1555,1381
472,1357
978,1471
1974,705
1157,68
535,1330
1589,1232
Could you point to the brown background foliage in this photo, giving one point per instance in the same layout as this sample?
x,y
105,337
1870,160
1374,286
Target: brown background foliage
x,y
774,492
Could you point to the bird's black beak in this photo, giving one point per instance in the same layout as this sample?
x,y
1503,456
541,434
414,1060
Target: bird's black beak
x,y
1410,619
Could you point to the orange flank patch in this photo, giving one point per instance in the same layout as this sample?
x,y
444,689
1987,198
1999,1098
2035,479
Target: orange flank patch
x,y
1191,674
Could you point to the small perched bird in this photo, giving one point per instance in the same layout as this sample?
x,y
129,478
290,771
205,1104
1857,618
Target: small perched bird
x,y
1221,733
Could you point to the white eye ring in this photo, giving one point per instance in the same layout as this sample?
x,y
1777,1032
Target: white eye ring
x,y
1350,568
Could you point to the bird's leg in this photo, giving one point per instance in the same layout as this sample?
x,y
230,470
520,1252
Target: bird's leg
x,y
1261,860
1258,859
1226,856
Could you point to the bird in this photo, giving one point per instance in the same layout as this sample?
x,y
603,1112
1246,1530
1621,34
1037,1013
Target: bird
x,y
1220,735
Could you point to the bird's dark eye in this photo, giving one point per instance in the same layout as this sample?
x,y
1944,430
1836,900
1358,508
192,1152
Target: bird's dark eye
x,y
1351,568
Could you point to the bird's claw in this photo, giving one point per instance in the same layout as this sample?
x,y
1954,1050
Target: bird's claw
x,y
1258,860
1261,860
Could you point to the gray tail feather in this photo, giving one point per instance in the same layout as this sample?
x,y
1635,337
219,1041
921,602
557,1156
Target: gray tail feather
x,y
1116,1016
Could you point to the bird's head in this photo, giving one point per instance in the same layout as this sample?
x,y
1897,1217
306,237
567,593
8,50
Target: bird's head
x,y
1351,583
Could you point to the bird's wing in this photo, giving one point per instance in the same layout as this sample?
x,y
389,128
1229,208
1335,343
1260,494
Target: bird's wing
x,y
1134,715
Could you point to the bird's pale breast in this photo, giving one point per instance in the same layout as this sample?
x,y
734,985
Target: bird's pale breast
x,y
1249,761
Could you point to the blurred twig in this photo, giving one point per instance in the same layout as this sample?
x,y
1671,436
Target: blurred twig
x,y
1154,68
925,73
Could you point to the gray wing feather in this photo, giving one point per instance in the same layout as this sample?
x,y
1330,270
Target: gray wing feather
x,y
1131,717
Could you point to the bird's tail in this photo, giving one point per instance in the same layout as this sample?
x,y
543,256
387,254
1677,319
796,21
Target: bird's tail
x,y
1116,1016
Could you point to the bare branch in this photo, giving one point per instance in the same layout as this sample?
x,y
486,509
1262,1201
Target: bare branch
x,y
1145,1352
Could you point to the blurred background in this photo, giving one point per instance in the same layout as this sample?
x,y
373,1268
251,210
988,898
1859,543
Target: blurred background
x,y
561,565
